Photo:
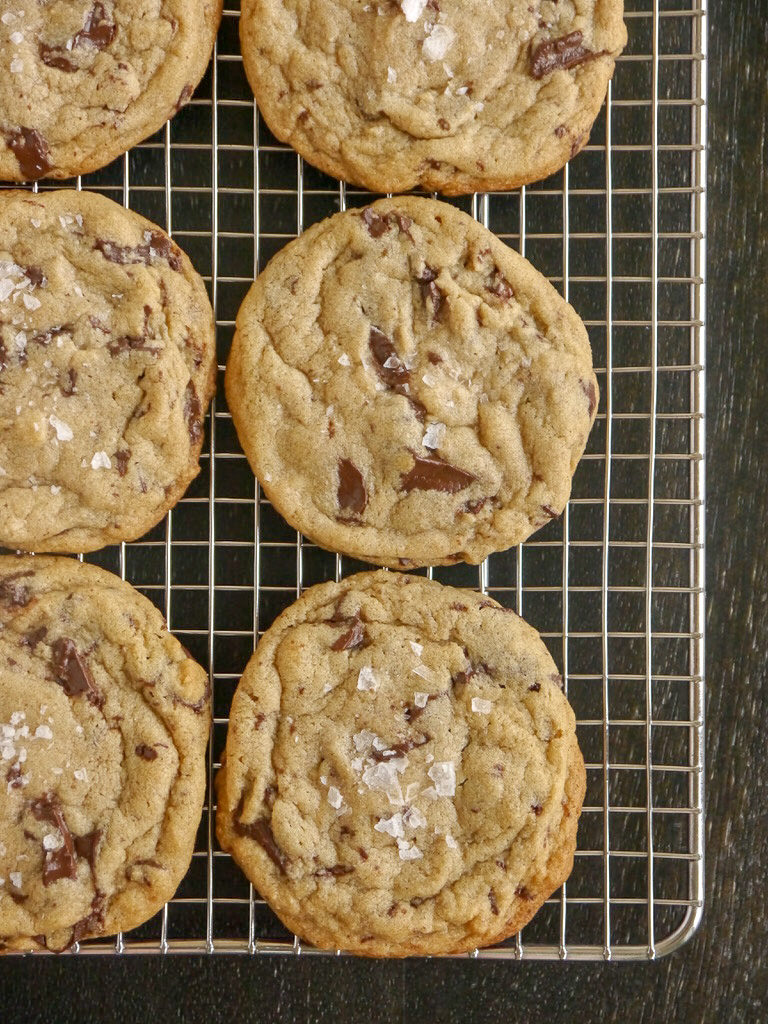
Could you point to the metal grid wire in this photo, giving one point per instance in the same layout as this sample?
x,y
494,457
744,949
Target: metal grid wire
x,y
615,586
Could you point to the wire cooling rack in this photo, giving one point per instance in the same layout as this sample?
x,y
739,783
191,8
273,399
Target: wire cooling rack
x,y
615,586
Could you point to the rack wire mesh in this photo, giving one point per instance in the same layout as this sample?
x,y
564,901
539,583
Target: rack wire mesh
x,y
615,586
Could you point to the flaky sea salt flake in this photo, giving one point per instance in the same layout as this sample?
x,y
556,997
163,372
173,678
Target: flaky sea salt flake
x,y
438,42
482,707
412,9
366,679
443,774
63,430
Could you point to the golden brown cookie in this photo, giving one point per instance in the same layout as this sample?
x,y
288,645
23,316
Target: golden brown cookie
x,y
83,81
401,773
451,95
107,366
104,722
408,389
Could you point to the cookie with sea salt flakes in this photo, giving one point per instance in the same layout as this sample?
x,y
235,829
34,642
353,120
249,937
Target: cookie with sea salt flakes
x,y
453,95
409,390
83,81
104,722
107,366
401,773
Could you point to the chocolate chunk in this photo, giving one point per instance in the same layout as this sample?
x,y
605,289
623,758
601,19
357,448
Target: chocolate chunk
x,y
261,832
434,358
431,473
72,673
493,903
36,276
33,638
534,687
588,387
45,337
523,893
146,752
131,343
31,150
549,512
270,792
53,57
69,387
430,291
395,374
488,604
121,459
193,414
184,97
93,923
86,846
335,872
351,493
537,809
500,286
444,124
473,507
353,638
376,225
13,593
13,776
3,355
564,53
398,749
458,607
412,711
259,720
58,863
156,247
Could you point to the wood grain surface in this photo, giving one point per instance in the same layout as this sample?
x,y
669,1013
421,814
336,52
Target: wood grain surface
x,y
722,974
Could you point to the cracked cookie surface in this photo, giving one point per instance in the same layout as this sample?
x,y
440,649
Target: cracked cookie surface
x,y
85,80
103,728
401,773
107,366
451,95
409,390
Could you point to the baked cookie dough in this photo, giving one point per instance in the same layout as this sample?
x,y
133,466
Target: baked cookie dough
x,y
82,81
104,722
455,96
107,366
401,773
408,390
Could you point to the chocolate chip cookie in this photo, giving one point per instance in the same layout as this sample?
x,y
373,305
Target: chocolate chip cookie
x,y
83,81
104,722
107,366
401,772
409,390
451,95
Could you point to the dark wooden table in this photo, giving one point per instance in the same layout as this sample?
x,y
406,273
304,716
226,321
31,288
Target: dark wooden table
x,y
722,974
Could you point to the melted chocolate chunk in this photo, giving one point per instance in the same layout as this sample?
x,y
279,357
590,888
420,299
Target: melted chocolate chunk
x,y
378,225
93,923
193,414
534,687
335,872
259,720
58,863
157,247
473,507
500,286
36,276
3,355
146,752
352,638
261,832
351,493
72,672
588,387
537,809
86,846
389,366
564,53
523,893
31,151
431,473
431,292
13,776
184,97
549,512
401,748
33,638
13,593
97,33
493,903
412,711
45,337
121,459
